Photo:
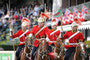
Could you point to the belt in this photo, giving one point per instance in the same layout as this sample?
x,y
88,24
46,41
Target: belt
x,y
40,39
22,42
67,43
43,39
52,41
73,43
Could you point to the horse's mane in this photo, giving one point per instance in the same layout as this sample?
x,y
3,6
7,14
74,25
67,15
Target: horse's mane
x,y
58,44
43,43
78,52
59,50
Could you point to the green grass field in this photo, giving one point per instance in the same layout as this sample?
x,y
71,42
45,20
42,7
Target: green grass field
x,y
5,41
8,41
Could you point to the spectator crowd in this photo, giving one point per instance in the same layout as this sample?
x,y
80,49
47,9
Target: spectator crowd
x,y
15,15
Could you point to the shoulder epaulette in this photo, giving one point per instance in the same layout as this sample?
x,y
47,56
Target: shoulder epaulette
x,y
80,32
34,25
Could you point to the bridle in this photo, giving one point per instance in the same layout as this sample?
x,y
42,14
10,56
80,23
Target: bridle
x,y
61,51
28,55
82,50
42,53
29,47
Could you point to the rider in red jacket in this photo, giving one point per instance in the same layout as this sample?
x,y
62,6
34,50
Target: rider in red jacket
x,y
53,34
41,34
21,34
72,38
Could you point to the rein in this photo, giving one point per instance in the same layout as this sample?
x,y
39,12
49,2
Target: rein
x,y
61,50
26,53
29,50
41,52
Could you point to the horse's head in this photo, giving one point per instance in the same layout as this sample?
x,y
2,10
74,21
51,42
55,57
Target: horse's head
x,y
58,43
26,55
59,48
43,47
28,42
82,48
43,44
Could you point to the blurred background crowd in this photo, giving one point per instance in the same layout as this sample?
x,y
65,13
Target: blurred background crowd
x,y
14,11
15,15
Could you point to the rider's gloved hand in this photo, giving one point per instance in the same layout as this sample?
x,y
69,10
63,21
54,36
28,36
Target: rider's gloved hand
x,y
47,39
30,35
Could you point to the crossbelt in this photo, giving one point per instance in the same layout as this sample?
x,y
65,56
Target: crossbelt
x,y
23,34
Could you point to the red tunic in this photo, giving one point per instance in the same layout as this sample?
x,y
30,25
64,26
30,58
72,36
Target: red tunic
x,y
74,39
18,33
53,37
44,32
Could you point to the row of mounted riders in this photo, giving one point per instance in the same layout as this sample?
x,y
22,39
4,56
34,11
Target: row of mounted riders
x,y
51,52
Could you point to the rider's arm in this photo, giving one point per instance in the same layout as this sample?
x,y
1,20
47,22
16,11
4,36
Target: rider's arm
x,y
15,35
47,32
29,34
81,37
65,36
32,33
59,34
33,30
11,32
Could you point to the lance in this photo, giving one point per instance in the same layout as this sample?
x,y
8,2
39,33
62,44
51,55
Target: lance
x,y
11,33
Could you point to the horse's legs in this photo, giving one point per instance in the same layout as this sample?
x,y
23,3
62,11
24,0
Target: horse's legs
x,y
33,52
69,53
22,56
18,53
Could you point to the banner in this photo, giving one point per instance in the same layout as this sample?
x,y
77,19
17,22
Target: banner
x,y
57,4
7,55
